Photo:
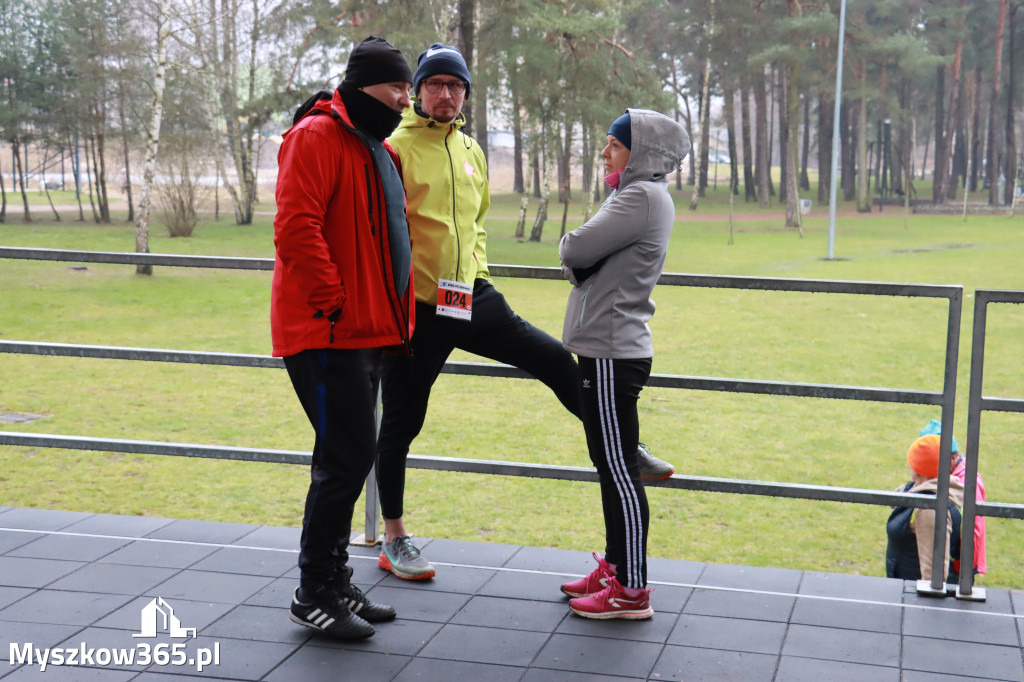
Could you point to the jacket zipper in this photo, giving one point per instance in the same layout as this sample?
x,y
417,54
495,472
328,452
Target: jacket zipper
x,y
455,212
369,198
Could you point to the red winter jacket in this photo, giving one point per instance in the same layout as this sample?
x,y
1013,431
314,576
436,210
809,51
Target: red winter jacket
x,y
332,243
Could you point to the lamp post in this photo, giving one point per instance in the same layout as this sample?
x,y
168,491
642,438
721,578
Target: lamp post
x,y
835,134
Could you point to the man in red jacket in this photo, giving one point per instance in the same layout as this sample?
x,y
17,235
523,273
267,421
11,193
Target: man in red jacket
x,y
342,297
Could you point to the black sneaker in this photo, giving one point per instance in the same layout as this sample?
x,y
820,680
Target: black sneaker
x,y
360,605
323,611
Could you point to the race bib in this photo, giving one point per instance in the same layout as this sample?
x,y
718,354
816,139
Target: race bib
x,y
454,299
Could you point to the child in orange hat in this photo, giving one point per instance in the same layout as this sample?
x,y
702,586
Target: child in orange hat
x,y
958,467
911,531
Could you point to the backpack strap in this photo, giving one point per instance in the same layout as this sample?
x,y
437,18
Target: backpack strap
x,y
306,106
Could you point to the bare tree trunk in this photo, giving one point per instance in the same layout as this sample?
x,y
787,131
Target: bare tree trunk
x,y
153,137
993,165
676,112
588,208
90,172
49,199
924,160
848,149
518,182
524,199
971,177
941,159
127,156
699,187
826,112
542,206
19,172
863,198
480,111
536,172
942,171
960,143
524,203
3,197
805,181
99,171
761,155
564,165
770,99
240,135
1010,159
782,102
971,87
729,109
749,186
792,99
465,41
123,120
691,179
586,157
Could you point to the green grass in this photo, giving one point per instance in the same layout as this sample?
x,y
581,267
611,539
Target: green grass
x,y
838,339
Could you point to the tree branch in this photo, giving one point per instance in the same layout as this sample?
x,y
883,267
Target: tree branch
x,y
612,43
305,43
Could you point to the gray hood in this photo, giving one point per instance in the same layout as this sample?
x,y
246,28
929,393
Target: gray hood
x,y
620,252
658,146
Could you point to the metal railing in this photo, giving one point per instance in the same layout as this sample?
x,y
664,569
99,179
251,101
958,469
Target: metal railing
x,y
977,403
945,399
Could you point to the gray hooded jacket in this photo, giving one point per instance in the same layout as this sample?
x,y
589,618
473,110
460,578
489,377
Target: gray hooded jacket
x,y
615,258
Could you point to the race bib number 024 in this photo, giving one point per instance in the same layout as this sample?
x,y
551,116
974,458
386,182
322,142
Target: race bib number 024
x,y
454,299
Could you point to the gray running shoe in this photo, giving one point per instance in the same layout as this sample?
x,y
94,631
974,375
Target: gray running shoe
x,y
652,468
403,559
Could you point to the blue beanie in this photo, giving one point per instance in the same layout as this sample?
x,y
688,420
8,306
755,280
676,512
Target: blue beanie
x,y
620,131
934,427
441,59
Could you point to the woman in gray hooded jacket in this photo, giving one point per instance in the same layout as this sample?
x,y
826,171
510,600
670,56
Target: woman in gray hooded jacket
x,y
613,262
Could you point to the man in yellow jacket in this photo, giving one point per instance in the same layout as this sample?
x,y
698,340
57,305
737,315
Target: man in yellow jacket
x,y
445,175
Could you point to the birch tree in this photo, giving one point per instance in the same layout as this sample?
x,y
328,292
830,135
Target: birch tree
x,y
162,23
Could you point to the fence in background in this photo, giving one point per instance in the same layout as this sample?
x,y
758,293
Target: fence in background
x,y
945,399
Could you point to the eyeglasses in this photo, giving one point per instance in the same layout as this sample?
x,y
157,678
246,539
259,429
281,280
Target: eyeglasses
x,y
454,87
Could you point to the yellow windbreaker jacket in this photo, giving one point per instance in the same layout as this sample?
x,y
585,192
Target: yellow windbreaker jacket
x,y
447,195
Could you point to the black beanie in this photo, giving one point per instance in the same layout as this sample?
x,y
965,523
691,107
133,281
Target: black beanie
x,y
375,61
441,59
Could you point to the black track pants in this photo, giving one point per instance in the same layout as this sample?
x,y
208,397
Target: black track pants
x,y
338,391
609,390
494,332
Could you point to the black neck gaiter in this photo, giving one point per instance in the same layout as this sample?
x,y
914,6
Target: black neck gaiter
x,y
368,113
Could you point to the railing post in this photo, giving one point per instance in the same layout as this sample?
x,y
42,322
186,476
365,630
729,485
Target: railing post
x,y
937,586
371,526
966,588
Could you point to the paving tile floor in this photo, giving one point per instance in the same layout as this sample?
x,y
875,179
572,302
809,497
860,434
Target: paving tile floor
x,y
83,582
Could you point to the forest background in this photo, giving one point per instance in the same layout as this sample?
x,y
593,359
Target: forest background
x,y
171,97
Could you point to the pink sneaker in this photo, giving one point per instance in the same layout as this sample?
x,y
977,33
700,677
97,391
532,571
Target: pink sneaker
x,y
612,602
593,583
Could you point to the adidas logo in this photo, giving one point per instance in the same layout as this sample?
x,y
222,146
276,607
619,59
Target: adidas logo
x,y
320,619
586,383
